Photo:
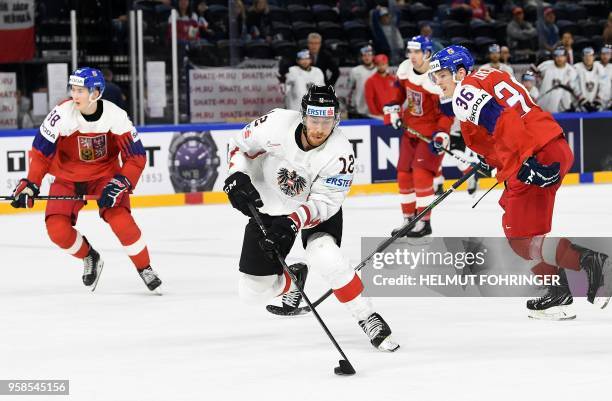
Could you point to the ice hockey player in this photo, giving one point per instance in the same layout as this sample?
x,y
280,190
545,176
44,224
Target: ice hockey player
x,y
529,82
501,122
297,168
357,106
593,80
559,90
299,78
418,163
495,60
604,61
81,143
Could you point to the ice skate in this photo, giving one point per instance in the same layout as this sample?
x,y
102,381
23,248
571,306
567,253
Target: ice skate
x,y
292,298
151,279
92,268
379,333
555,304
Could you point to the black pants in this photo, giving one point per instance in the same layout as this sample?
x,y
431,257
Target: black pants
x,y
254,261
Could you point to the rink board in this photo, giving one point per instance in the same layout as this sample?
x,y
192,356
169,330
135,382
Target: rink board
x,y
187,164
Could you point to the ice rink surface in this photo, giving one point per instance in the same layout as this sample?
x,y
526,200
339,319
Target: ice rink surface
x,y
200,342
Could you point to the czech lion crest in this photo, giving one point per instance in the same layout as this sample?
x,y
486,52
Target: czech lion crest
x,y
290,182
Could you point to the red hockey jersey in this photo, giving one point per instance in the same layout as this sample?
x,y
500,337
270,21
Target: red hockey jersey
x,y
422,110
72,148
500,121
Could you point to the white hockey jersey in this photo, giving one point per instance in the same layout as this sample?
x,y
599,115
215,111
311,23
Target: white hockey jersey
x,y
502,67
554,98
356,84
297,82
312,184
594,83
608,71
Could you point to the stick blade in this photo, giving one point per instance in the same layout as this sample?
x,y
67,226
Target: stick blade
x,y
345,368
279,311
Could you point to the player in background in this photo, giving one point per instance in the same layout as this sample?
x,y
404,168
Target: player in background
x,y
357,106
530,83
297,168
593,80
81,143
501,122
604,61
418,163
299,78
559,90
495,60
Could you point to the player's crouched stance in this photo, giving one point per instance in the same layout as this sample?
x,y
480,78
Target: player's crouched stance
x,y
79,143
501,122
297,168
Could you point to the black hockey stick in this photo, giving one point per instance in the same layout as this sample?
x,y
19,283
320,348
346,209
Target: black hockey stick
x,y
345,367
55,197
383,245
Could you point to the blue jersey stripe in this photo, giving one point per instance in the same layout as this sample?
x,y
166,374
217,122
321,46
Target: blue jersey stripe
x,y
43,145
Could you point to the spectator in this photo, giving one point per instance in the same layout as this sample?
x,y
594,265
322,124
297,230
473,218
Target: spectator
x,y
593,81
548,32
559,89
380,88
387,38
258,20
24,111
521,34
505,55
494,60
186,23
299,78
529,82
357,106
604,61
206,31
221,26
113,92
607,33
428,32
477,8
322,59
567,41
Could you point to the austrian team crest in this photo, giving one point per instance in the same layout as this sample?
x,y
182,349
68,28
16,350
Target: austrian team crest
x,y
290,182
92,148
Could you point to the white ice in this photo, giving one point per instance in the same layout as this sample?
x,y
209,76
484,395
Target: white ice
x,y
199,342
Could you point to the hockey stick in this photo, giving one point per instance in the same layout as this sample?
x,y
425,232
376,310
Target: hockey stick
x,y
56,197
385,244
345,367
425,139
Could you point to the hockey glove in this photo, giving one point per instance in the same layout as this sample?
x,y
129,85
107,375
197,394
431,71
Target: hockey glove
x,y
280,236
24,194
591,107
392,115
439,142
114,191
534,173
241,193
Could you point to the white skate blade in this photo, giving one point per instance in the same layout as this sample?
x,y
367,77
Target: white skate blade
x,y
416,241
157,291
388,345
554,313
95,283
605,291
601,302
